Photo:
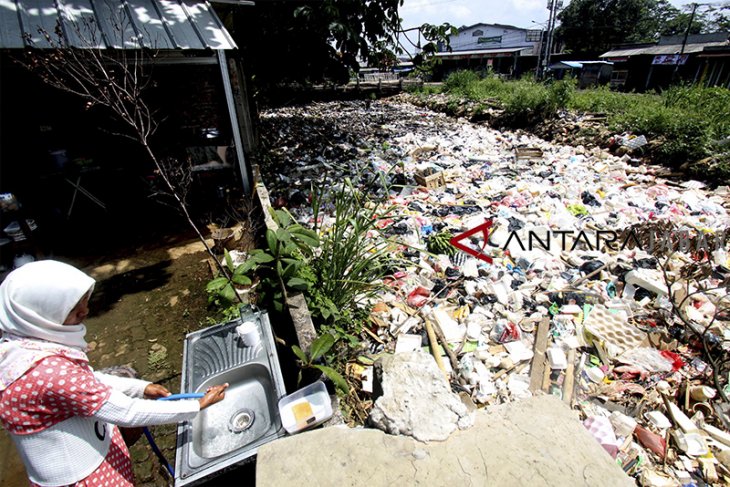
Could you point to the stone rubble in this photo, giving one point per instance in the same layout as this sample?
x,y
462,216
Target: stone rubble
x,y
414,399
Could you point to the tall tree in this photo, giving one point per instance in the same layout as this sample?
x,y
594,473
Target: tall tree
x,y
594,26
314,40
719,19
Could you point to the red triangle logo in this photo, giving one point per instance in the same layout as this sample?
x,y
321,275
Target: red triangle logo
x,y
479,254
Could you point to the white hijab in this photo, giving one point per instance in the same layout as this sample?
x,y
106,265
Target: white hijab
x,y
35,300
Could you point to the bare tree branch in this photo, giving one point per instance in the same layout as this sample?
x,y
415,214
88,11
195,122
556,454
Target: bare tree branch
x,y
114,80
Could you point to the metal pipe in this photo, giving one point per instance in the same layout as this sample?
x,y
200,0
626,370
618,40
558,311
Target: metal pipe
x,y
236,129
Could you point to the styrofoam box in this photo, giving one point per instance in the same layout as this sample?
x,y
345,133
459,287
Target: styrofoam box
x,y
319,401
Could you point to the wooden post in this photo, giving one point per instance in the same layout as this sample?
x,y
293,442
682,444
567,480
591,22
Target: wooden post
x,y
648,77
440,335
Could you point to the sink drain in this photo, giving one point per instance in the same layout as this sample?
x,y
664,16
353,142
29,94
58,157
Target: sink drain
x,y
241,421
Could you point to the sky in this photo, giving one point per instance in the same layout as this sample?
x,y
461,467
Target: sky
x,y
459,13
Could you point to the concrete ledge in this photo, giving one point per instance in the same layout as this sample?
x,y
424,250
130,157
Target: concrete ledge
x,y
295,302
535,442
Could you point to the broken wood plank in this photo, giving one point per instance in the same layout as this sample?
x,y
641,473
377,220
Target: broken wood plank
x,y
546,381
440,335
435,347
569,383
516,368
538,359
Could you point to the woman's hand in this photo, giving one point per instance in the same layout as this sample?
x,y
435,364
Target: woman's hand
x,y
155,391
213,395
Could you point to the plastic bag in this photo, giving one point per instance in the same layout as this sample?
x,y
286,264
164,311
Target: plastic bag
x,y
505,331
648,359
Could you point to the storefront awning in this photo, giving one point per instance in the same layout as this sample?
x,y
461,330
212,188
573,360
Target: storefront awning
x,y
661,50
153,24
483,53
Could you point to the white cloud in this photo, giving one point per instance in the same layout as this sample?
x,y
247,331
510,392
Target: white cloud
x,y
467,12
529,4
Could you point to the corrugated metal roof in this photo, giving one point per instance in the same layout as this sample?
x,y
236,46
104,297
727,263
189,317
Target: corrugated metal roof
x,y
569,64
577,64
481,51
503,26
657,50
131,24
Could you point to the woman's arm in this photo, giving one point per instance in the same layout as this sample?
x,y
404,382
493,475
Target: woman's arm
x,y
130,387
125,411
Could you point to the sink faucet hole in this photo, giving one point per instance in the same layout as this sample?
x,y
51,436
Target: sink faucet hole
x,y
241,420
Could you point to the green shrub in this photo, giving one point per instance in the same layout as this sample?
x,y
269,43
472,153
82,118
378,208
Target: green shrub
x,y
712,104
603,100
684,135
350,261
527,104
458,82
561,93
684,123
489,87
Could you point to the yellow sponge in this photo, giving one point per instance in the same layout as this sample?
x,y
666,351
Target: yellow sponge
x,y
302,412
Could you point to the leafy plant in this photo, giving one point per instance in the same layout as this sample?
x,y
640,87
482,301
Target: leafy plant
x,y
528,104
317,351
351,259
459,82
283,265
561,93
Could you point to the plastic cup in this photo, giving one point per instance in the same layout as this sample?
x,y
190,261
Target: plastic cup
x,y
249,333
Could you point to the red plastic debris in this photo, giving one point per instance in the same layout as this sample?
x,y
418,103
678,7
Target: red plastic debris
x,y
675,358
651,441
418,297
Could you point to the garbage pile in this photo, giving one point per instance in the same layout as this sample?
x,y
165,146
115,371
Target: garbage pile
x,y
577,273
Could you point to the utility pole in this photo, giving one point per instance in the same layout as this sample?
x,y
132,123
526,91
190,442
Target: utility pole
x,y
684,41
553,6
540,46
538,70
547,39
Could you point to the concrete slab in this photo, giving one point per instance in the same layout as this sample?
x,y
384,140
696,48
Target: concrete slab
x,y
538,441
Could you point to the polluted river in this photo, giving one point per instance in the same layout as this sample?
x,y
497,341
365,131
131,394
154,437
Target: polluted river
x,y
544,269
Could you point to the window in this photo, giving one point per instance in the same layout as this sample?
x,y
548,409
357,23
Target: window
x,y
477,33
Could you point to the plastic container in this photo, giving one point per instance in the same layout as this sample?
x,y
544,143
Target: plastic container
x,y
248,331
557,358
59,157
702,393
691,443
305,408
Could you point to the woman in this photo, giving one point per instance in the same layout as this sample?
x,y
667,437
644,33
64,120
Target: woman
x,y
63,416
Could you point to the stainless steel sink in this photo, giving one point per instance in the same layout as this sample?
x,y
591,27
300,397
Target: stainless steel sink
x,y
230,432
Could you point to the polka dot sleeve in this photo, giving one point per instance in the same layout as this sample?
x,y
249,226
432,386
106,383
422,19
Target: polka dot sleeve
x,y
73,386
53,391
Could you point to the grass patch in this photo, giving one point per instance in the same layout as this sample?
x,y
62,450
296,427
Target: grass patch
x,y
686,123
